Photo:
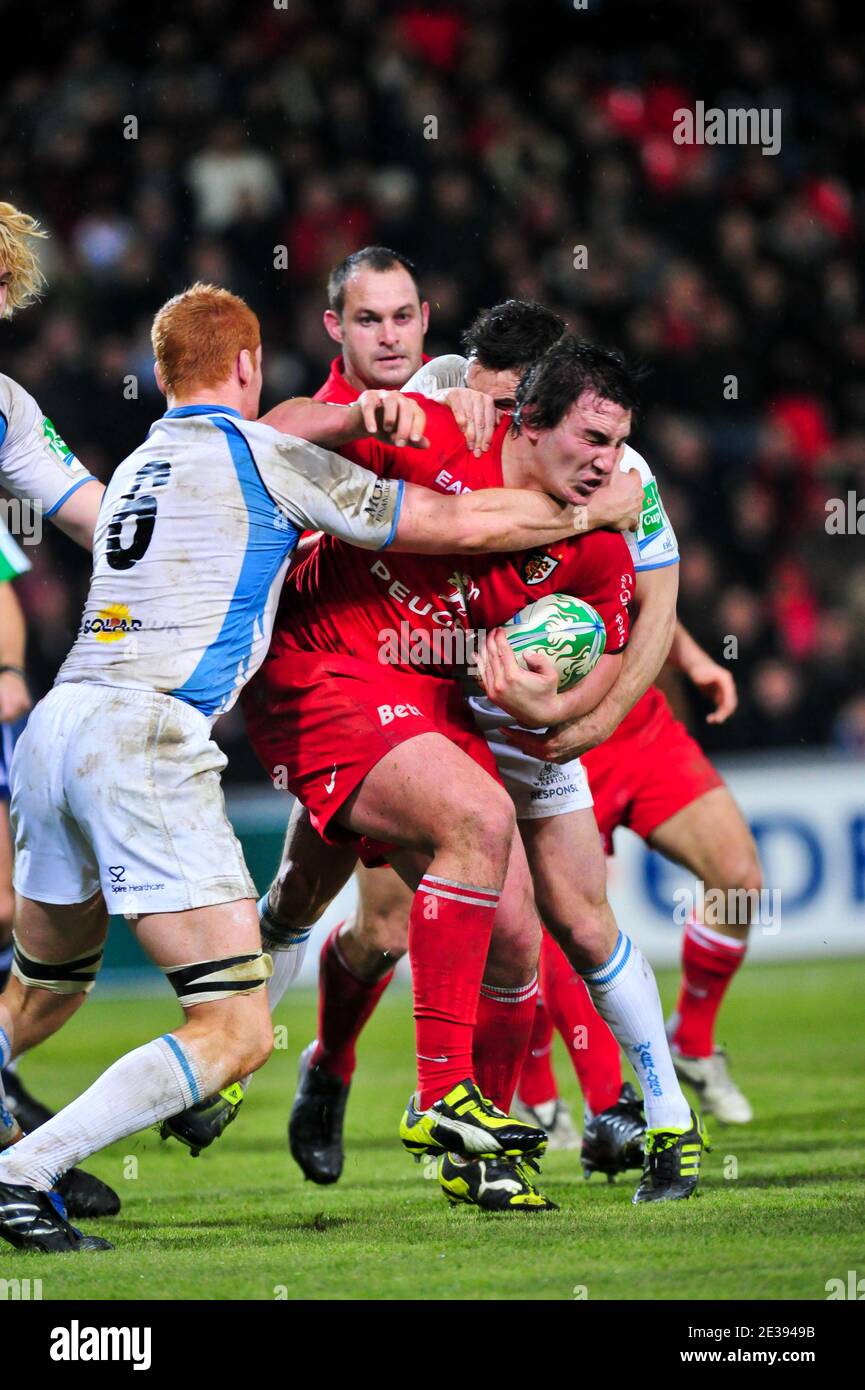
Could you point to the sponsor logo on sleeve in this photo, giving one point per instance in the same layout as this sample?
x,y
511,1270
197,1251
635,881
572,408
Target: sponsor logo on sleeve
x,y
652,519
378,504
57,446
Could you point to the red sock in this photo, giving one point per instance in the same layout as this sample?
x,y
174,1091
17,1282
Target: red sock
x,y
502,1035
591,1046
537,1081
709,962
448,939
344,1005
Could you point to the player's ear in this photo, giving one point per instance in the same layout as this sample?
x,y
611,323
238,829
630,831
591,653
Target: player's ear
x,y
424,315
528,430
245,366
159,382
333,325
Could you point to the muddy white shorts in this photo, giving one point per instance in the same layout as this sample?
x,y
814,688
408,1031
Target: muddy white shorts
x,y
120,790
536,788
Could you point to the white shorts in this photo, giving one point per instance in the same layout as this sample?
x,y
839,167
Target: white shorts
x,y
537,789
120,790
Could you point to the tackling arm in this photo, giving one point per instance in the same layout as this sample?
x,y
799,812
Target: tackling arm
x,y
493,519
384,415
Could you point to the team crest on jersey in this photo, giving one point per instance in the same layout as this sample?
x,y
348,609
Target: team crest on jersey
x,y
538,567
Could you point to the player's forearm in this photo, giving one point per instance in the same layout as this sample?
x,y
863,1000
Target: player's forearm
x,y
77,517
13,633
539,710
502,519
588,693
684,651
320,422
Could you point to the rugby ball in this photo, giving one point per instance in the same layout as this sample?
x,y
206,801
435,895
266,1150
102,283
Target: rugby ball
x,y
565,629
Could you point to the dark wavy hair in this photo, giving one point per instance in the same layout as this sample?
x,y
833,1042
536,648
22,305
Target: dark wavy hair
x,y
513,334
554,383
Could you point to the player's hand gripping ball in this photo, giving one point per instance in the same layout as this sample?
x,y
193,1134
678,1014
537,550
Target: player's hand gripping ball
x,y
567,630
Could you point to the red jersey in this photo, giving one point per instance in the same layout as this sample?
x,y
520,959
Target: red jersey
x,y
374,607
337,389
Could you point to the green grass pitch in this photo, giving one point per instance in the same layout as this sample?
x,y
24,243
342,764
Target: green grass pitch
x,y
781,1208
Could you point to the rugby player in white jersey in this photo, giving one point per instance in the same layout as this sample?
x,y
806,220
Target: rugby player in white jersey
x,y
45,477
116,796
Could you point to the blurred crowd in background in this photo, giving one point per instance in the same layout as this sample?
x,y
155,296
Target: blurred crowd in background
x,y
736,277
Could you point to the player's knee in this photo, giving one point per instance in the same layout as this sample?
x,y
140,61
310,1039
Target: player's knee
x,y
485,819
740,868
750,872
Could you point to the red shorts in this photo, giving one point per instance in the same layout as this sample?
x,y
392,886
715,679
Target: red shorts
x,y
319,722
649,769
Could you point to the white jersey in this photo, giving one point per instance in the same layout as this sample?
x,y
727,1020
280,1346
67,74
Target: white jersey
x,y
653,544
35,464
193,540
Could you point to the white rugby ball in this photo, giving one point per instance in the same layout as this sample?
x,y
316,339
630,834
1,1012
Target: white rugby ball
x,y
565,629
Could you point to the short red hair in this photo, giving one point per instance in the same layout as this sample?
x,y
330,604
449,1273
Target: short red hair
x,y
197,336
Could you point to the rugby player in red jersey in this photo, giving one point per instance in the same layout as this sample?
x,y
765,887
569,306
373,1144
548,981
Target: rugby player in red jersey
x,y
648,773
358,957
676,799
569,437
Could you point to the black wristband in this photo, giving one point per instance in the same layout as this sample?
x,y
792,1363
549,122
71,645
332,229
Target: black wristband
x,y
18,671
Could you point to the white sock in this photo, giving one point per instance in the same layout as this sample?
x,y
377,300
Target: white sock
x,y
148,1085
287,949
625,994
